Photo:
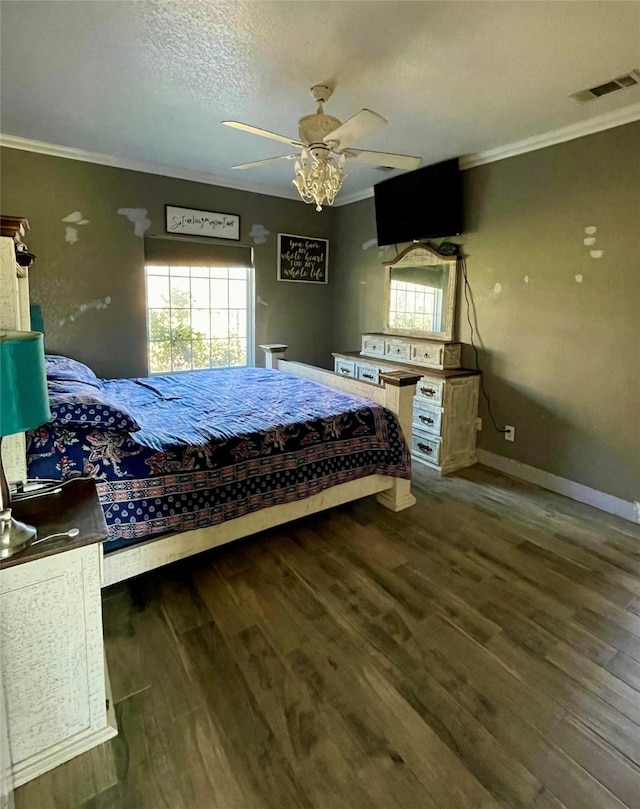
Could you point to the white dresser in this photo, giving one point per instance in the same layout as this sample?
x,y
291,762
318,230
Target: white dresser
x,y
445,412
445,407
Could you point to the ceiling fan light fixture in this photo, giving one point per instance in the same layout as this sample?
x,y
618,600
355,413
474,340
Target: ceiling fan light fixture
x,y
318,178
325,143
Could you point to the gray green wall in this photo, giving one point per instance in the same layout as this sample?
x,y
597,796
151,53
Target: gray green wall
x,y
560,355
107,260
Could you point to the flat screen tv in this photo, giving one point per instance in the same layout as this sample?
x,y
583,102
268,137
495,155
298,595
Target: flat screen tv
x,y
420,204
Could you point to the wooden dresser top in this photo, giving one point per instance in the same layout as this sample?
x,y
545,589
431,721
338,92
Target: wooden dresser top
x,y
76,505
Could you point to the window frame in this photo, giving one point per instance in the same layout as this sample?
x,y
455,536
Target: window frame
x,y
250,315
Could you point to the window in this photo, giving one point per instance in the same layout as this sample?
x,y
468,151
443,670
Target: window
x,y
414,306
199,317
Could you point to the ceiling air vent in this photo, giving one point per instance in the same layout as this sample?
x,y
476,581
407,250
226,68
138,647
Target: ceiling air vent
x,y
628,80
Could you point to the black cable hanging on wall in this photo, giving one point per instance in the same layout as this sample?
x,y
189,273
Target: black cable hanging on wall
x,y
467,292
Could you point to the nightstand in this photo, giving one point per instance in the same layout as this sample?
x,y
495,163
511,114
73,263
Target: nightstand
x,y
52,656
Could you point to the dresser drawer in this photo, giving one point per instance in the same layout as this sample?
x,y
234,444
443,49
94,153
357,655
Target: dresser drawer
x,y
345,367
397,350
373,344
425,446
425,354
368,373
430,389
426,417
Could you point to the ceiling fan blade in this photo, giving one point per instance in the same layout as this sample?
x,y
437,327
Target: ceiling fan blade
x,y
254,130
392,161
361,124
265,160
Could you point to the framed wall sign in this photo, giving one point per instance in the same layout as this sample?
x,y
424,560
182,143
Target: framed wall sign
x,y
190,222
302,259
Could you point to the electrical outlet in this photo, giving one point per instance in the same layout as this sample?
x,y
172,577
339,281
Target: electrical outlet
x,y
510,433
478,424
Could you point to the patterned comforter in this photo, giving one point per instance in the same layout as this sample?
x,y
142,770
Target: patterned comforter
x,y
208,446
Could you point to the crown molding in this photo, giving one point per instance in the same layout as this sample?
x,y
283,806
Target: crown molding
x,y
608,120
599,123
356,196
147,167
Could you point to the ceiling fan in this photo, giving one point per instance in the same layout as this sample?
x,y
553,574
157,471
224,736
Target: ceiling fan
x,y
318,176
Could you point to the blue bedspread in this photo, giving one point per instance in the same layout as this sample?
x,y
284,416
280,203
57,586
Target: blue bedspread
x,y
198,407
215,445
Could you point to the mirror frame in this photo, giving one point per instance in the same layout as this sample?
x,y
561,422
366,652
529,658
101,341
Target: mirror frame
x,y
422,255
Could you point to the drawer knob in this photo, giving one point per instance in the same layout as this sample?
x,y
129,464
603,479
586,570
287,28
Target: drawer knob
x,y
344,370
398,350
425,448
428,391
426,419
367,376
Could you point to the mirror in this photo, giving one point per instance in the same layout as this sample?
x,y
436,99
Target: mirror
x,y
420,290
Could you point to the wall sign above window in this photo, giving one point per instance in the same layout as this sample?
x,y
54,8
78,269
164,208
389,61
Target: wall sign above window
x,y
302,259
190,222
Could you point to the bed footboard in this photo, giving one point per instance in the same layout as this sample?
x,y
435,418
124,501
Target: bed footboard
x,y
396,394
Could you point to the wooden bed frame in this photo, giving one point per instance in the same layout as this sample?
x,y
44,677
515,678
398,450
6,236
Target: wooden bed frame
x,y
396,393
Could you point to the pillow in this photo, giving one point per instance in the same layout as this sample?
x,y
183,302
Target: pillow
x,y
67,370
83,405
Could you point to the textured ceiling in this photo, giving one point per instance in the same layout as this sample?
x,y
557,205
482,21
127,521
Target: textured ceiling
x,y
151,81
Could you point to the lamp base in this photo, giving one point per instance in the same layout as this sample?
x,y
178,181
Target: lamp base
x,y
15,536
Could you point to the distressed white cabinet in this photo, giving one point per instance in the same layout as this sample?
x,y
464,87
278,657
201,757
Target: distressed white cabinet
x,y
445,411
52,652
411,350
445,407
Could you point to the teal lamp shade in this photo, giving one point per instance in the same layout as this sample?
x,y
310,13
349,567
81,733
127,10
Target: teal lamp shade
x,y
24,402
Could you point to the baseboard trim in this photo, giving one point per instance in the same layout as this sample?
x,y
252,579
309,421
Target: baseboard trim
x,y
64,751
569,488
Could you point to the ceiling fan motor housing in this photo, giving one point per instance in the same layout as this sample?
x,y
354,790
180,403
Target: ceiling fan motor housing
x,y
313,128
321,93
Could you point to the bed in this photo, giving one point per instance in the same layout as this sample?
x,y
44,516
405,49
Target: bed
x,y
185,462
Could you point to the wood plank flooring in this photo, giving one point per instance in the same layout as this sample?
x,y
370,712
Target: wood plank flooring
x,y
480,650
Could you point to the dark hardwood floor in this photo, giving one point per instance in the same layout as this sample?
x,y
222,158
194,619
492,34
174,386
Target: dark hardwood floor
x,y
480,650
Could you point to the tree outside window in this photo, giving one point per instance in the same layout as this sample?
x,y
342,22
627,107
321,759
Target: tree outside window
x,y
197,318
